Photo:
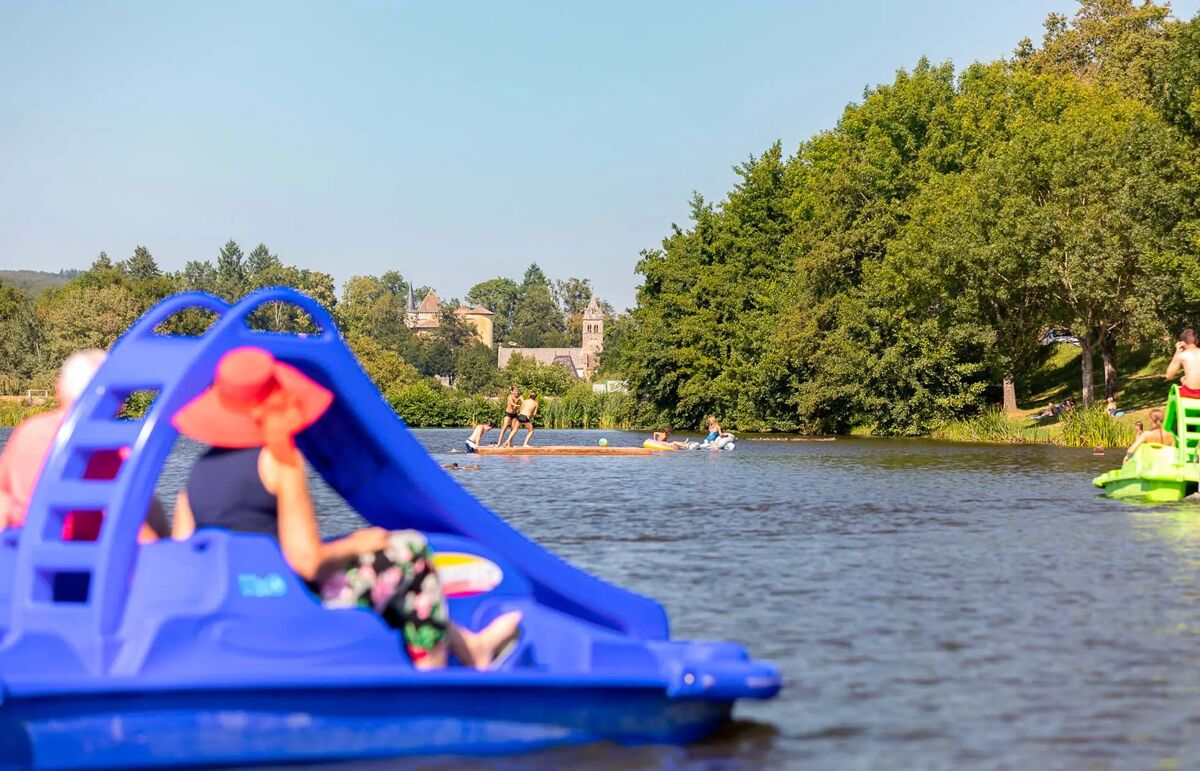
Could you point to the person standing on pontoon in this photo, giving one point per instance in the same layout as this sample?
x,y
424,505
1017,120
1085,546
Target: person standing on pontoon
x,y
1187,358
529,411
511,405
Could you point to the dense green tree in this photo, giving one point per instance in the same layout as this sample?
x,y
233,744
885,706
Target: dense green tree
x,y
500,296
231,271
543,379
1176,78
141,265
475,369
538,321
1109,43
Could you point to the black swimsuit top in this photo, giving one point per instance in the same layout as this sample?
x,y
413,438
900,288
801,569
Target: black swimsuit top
x,y
224,490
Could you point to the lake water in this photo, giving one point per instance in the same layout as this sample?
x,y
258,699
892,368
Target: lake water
x,y
932,606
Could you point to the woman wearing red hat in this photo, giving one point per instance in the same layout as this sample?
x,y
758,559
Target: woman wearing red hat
x,y
253,480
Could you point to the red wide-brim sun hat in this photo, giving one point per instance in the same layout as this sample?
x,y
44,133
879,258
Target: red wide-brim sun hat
x,y
248,381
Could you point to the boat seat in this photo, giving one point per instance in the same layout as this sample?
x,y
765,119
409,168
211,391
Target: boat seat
x,y
230,601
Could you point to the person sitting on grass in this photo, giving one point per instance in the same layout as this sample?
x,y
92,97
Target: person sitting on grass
x,y
1050,411
1155,434
253,480
1186,358
1112,408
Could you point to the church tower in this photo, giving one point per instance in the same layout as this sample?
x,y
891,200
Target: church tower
x,y
593,327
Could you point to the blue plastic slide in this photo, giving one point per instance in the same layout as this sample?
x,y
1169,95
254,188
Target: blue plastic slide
x,y
211,650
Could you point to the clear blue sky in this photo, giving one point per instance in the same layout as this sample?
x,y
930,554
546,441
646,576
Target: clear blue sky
x,y
453,142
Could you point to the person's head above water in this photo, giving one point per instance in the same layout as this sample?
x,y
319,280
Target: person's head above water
x,y
77,371
254,400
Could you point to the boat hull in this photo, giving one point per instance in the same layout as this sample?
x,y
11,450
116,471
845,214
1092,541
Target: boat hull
x,y
226,727
1154,474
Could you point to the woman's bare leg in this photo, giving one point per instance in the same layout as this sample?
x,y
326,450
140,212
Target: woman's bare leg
x,y
476,649
436,658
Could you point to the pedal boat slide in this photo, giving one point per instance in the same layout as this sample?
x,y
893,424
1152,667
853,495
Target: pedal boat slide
x,y
1156,473
211,651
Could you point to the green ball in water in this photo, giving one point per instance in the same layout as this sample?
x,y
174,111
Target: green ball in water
x,y
603,442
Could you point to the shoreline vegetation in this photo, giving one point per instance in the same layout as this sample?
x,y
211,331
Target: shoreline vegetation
x,y
423,406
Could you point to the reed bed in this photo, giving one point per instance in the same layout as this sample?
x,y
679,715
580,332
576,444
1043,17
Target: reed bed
x,y
12,413
1081,427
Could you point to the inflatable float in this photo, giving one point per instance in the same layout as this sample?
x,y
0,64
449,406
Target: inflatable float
x,y
724,442
211,651
1157,473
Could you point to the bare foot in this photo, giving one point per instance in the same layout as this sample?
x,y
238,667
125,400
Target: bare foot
x,y
480,647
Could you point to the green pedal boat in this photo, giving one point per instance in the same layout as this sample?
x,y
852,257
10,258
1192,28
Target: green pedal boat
x,y
1158,473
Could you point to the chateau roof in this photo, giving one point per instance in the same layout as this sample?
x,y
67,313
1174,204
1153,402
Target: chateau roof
x,y
430,304
478,310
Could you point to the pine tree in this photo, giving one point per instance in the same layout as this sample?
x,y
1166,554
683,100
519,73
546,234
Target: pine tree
x,y
141,266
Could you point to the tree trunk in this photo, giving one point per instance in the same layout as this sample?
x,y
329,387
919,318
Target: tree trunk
x,y
1108,352
1010,394
1086,344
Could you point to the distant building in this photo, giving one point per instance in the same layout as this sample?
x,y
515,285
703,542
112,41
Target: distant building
x,y
582,361
426,317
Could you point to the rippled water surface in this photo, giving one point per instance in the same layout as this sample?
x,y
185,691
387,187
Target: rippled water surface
x,y
932,606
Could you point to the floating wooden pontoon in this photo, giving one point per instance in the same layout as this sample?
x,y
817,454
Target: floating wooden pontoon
x,y
567,450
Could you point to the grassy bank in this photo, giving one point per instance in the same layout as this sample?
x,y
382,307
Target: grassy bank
x,y
1092,427
14,412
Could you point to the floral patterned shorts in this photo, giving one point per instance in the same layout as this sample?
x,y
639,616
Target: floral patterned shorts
x,y
400,584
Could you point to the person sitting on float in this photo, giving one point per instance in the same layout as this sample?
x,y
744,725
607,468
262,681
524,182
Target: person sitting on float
x,y
1155,434
664,436
252,480
714,430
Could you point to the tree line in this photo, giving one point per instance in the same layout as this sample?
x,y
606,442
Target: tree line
x,y
94,307
900,269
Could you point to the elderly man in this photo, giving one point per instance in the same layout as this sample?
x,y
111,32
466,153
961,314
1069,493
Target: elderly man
x,y
30,443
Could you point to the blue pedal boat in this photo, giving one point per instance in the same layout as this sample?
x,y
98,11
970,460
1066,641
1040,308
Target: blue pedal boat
x,y
211,651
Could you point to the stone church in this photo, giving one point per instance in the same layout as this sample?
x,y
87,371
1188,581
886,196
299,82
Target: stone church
x,y
583,361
